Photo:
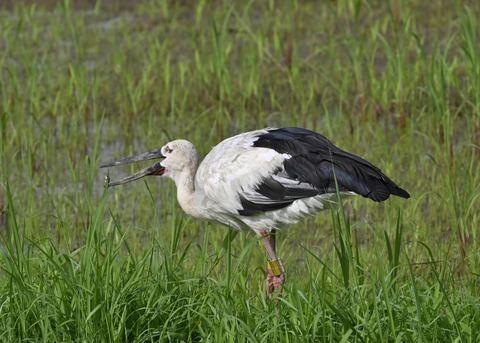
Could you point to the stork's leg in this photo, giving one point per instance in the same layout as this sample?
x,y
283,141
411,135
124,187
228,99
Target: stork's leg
x,y
275,270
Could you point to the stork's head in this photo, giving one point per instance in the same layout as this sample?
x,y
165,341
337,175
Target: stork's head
x,y
179,155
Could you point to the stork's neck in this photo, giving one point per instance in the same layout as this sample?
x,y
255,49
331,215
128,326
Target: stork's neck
x,y
187,196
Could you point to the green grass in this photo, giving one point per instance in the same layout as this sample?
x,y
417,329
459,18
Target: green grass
x,y
397,82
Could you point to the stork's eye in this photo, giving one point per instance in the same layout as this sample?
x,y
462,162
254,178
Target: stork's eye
x,y
168,149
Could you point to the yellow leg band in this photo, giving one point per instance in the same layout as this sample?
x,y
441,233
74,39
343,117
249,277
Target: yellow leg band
x,y
276,267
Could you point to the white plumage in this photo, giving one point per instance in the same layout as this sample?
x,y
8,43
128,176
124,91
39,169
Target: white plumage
x,y
235,167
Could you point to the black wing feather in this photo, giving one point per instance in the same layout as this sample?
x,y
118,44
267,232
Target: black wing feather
x,y
317,161
314,166
273,195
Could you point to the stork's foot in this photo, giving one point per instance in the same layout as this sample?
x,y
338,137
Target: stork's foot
x,y
275,279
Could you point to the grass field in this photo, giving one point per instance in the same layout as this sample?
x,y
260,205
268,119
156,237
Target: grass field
x,y
396,82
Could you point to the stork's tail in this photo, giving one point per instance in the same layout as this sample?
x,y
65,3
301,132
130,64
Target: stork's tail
x,y
385,187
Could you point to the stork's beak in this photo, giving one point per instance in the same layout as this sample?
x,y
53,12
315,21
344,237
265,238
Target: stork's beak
x,y
156,169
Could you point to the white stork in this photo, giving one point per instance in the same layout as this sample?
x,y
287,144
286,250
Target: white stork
x,y
263,180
